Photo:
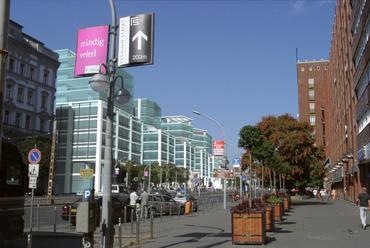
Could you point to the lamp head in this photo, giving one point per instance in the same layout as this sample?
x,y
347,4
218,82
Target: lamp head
x,y
122,96
196,112
99,82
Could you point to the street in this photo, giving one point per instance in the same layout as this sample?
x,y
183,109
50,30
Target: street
x,y
309,223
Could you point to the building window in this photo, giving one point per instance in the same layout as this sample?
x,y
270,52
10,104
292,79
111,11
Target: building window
x,y
318,68
310,68
32,72
22,69
302,69
312,120
20,94
9,91
11,65
312,107
6,117
44,100
30,95
311,95
311,83
17,119
28,122
46,77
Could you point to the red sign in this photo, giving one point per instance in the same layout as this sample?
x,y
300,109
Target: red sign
x,y
218,147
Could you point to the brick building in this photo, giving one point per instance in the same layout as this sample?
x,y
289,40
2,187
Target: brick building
x,y
327,100
360,28
313,96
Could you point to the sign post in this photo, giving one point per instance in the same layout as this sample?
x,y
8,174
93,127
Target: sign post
x,y
34,157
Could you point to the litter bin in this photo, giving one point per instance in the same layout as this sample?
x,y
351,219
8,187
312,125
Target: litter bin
x,y
188,206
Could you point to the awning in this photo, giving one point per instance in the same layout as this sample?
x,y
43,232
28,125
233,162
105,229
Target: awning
x,y
327,164
355,168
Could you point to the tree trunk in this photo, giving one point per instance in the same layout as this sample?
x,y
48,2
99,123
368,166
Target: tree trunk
x,y
280,181
250,178
270,178
284,182
274,174
263,185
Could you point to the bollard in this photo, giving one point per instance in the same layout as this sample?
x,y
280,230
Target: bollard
x,y
161,212
70,217
55,219
37,217
29,240
125,217
132,221
170,209
151,223
178,211
137,227
119,233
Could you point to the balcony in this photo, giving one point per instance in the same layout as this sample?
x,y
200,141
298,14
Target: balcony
x,y
363,103
363,138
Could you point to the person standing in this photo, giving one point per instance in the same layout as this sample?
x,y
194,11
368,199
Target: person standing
x,y
363,203
315,193
144,203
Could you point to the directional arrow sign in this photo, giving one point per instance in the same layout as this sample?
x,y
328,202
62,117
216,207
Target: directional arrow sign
x,y
136,40
139,35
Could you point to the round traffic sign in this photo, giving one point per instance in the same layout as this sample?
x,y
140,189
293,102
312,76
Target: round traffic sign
x,y
34,156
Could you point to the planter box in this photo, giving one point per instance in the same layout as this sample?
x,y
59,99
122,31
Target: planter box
x,y
278,212
286,203
248,228
270,219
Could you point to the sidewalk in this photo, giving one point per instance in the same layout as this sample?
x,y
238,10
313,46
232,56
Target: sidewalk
x,y
309,224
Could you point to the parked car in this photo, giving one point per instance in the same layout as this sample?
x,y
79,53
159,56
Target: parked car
x,y
181,199
117,210
157,200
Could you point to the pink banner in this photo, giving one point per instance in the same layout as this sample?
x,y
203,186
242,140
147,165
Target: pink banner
x,y
91,52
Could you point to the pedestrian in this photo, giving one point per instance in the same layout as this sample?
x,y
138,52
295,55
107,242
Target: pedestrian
x,y
133,198
363,203
333,194
323,194
144,203
315,194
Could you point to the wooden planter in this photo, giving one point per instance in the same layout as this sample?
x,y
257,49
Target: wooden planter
x,y
286,203
278,212
270,219
248,228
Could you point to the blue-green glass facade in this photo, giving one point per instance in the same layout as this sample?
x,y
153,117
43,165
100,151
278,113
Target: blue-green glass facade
x,y
148,112
81,120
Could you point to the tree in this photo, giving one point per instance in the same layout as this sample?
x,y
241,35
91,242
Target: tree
x,y
294,143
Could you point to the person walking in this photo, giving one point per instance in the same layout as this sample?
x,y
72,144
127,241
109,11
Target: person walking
x,y
315,193
144,203
363,203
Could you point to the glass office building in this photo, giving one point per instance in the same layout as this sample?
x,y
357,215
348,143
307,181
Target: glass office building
x,y
148,112
81,124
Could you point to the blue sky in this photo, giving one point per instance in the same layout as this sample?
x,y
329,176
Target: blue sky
x,y
233,60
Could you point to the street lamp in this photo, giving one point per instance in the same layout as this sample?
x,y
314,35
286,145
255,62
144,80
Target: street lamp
x,y
105,82
224,137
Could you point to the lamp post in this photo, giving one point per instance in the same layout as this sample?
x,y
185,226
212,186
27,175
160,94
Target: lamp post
x,y
224,137
105,81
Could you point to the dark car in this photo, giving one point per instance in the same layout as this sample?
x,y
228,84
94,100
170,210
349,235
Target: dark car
x,y
157,201
117,210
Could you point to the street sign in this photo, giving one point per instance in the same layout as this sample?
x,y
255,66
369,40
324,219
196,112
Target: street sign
x,y
218,147
116,171
236,162
33,170
136,40
223,174
32,183
87,195
34,156
86,173
146,173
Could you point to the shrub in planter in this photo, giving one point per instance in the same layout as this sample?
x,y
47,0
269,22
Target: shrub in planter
x,y
277,202
248,225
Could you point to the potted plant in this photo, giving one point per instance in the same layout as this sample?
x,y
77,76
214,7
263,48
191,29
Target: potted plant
x,y
269,209
248,224
286,199
277,202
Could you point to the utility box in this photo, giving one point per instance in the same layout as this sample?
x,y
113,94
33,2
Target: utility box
x,y
85,219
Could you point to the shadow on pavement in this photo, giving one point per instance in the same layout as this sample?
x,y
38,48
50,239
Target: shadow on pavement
x,y
312,202
281,230
287,223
